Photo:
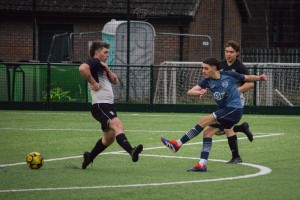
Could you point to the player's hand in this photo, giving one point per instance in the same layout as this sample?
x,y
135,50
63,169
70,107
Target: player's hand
x,y
263,77
95,86
202,93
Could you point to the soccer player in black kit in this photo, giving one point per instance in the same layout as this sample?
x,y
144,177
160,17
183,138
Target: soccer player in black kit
x,y
100,79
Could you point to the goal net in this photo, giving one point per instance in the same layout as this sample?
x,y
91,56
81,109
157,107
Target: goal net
x,y
281,89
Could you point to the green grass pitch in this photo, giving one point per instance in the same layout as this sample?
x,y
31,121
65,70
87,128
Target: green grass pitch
x,y
270,169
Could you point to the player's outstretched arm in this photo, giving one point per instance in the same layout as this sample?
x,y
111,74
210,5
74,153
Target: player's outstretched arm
x,y
253,78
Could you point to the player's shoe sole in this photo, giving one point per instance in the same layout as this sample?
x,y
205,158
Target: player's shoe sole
x,y
198,168
135,152
170,144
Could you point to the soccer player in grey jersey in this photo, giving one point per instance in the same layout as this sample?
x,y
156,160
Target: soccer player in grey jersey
x,y
100,78
230,108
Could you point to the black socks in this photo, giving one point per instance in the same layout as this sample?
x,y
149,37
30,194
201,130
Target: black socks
x,y
233,144
124,143
99,147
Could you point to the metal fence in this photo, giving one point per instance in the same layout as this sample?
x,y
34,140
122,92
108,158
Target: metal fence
x,y
271,55
76,47
164,85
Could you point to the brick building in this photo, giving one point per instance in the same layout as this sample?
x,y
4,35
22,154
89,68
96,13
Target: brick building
x,y
27,27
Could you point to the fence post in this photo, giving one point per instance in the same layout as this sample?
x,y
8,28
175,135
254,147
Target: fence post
x,y
255,90
8,82
48,81
151,86
127,82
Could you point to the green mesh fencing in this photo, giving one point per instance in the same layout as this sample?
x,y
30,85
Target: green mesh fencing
x,y
145,85
66,84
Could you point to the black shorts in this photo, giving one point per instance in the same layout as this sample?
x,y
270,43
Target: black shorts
x,y
103,112
228,117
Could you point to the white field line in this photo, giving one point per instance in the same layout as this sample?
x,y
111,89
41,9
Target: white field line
x,y
262,171
145,149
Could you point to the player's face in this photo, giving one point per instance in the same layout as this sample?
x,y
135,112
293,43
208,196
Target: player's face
x,y
102,54
207,70
230,54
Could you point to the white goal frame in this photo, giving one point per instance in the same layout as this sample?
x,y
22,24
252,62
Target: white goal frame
x,y
170,80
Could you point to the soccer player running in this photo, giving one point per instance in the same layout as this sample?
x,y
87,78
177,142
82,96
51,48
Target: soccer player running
x,y
100,79
230,63
222,85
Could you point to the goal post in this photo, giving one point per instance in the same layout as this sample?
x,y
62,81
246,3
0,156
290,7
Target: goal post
x,y
281,89
173,80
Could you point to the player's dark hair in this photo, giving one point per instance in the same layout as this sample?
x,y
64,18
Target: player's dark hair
x,y
233,44
96,46
212,62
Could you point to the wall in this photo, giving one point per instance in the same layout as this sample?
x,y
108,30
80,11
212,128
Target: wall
x,y
16,34
16,39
